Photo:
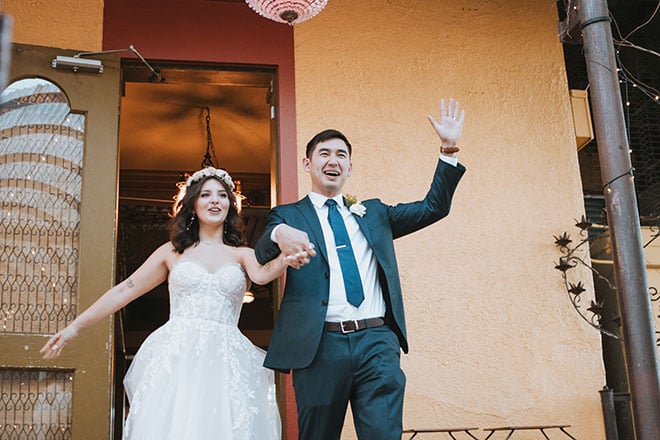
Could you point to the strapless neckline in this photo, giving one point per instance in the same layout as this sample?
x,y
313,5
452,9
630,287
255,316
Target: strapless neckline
x,y
204,268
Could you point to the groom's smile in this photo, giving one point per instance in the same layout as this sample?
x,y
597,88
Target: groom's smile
x,y
329,166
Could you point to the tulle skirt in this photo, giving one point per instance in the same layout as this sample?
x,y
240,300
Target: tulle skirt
x,y
200,380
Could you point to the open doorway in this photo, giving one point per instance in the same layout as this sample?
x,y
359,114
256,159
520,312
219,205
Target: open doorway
x,y
168,126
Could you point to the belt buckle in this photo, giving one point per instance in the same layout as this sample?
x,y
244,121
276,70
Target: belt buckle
x,y
346,331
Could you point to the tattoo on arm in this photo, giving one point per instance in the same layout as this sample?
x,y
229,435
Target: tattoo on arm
x,y
130,283
268,265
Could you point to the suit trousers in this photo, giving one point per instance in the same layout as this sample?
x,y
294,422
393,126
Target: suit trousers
x,y
362,368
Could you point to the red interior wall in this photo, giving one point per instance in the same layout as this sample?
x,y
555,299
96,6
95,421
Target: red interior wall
x,y
213,31
221,32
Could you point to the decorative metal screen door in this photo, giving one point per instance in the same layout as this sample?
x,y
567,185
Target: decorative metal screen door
x,y
58,196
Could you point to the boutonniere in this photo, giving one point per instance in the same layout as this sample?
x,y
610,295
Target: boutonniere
x,y
354,206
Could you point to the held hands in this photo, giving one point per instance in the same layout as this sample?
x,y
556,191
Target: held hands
x,y
449,126
53,347
295,246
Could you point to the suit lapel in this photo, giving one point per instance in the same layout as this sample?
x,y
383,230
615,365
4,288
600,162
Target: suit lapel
x,y
364,227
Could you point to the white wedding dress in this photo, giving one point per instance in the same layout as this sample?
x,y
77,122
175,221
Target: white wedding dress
x,y
198,377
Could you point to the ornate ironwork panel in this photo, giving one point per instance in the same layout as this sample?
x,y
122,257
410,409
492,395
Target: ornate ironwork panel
x,y
41,153
35,404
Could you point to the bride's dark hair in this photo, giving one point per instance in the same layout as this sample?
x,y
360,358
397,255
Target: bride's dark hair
x,y
183,225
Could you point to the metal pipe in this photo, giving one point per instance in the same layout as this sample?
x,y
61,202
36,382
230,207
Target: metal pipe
x,y
642,365
609,413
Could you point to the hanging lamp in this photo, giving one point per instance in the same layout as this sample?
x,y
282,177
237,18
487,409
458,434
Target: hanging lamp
x,y
210,159
287,11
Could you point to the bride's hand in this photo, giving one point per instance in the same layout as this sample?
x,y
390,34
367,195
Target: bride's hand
x,y
298,260
53,347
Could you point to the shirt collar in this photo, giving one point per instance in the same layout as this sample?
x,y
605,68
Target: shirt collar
x,y
319,200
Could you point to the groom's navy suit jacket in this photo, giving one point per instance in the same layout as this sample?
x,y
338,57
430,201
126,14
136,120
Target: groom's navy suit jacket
x,y
301,317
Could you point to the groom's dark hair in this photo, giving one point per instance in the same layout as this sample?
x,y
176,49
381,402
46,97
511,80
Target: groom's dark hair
x,y
326,135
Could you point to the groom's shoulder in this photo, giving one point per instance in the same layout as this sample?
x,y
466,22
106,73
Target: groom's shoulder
x,y
375,205
286,207
372,202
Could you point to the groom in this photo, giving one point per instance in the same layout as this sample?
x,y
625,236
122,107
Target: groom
x,y
341,324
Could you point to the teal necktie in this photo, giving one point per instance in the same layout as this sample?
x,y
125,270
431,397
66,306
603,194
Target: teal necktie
x,y
349,267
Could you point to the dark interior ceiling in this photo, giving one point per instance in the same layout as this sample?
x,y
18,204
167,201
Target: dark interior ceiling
x,y
163,121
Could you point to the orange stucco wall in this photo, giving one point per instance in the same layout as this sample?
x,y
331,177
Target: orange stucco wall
x,y
494,340
71,24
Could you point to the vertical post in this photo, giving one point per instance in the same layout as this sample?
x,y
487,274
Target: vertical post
x,y
609,413
5,48
642,365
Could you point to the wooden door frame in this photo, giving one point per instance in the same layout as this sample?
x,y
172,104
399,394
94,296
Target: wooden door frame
x,y
90,356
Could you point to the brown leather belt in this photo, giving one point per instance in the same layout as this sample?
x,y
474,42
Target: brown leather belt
x,y
353,326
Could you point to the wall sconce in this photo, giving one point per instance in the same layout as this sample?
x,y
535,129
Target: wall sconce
x,y
248,297
584,132
240,197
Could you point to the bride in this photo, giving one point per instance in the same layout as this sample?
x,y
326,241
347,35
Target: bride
x,y
197,377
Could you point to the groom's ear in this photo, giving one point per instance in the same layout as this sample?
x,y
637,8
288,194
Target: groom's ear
x,y
305,164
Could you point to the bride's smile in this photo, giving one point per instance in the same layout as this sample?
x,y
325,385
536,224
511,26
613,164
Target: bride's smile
x,y
212,205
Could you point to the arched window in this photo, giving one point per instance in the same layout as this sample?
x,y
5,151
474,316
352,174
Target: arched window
x,y
41,155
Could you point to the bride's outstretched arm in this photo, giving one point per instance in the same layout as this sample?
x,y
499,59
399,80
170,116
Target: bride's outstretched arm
x,y
152,272
262,274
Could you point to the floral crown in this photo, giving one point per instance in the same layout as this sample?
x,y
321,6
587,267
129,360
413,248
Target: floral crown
x,y
211,172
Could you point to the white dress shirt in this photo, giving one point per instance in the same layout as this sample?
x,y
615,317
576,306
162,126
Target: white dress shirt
x,y
339,308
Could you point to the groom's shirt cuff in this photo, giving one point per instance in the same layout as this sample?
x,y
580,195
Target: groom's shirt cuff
x,y
272,233
450,160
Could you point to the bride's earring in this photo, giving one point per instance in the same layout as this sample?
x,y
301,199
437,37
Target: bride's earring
x,y
192,220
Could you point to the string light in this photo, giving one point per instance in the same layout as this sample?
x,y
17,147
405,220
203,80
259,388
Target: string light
x,y
608,187
625,76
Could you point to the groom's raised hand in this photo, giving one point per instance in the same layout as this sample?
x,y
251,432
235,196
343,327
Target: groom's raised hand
x,y
449,126
295,245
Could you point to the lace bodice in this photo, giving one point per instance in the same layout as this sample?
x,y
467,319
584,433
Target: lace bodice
x,y
196,293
